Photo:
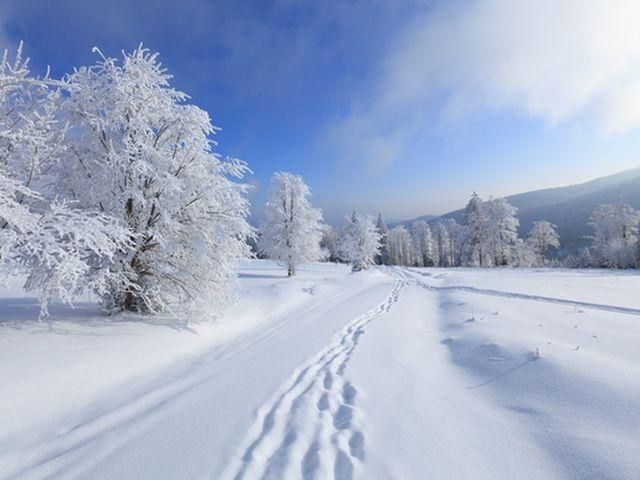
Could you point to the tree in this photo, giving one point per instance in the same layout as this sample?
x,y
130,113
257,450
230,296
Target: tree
x,y
615,237
501,230
491,232
400,246
476,222
524,255
457,235
142,155
383,257
361,242
542,236
422,242
442,244
49,241
293,228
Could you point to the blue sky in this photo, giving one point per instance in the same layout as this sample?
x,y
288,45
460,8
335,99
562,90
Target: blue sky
x,y
404,107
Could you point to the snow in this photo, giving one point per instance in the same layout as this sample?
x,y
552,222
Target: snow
x,y
386,373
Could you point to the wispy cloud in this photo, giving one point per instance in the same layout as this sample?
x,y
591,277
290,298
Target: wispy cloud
x,y
552,60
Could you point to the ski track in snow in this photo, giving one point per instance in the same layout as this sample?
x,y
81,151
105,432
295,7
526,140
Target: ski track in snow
x,y
313,417
415,277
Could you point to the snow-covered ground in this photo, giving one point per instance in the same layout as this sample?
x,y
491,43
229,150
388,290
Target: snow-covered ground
x,y
390,373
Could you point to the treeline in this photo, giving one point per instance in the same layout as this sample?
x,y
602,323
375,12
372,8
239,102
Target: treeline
x,y
488,237
293,233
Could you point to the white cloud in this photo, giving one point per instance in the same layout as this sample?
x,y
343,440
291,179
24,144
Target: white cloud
x,y
553,60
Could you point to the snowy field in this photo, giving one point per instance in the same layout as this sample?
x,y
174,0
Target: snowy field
x,y
392,373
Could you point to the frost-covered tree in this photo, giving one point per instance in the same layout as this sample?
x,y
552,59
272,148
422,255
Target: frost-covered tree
x,y
501,230
458,236
491,232
57,247
293,228
383,230
400,246
361,242
524,255
542,236
141,154
442,244
615,234
422,243
476,222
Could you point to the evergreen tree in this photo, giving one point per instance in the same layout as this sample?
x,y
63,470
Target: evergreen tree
x,y
381,226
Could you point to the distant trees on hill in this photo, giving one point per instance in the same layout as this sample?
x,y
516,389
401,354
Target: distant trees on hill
x,y
488,238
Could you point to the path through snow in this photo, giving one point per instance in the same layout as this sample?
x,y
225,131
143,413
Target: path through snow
x,y
310,425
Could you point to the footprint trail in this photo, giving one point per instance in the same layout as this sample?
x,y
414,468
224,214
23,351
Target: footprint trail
x,y
310,428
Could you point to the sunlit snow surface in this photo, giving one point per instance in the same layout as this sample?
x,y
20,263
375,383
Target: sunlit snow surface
x,y
390,373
